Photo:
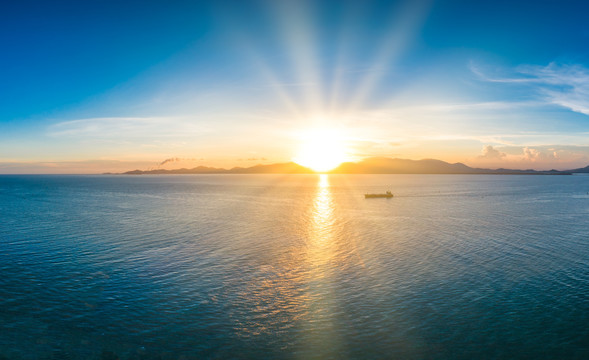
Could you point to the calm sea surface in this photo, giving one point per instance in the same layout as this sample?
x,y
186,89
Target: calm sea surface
x,y
295,267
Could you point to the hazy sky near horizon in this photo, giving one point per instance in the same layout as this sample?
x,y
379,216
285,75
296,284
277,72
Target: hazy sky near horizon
x,y
93,86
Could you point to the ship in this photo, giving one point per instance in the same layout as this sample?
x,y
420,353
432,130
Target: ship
x,y
388,194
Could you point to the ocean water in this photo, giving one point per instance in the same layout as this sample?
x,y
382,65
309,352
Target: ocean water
x,y
294,267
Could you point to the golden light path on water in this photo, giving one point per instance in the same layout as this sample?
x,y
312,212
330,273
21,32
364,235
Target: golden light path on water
x,y
321,257
298,289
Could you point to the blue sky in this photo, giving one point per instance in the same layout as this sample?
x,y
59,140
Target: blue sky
x,y
110,86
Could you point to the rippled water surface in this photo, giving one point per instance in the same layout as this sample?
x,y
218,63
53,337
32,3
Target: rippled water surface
x,y
297,266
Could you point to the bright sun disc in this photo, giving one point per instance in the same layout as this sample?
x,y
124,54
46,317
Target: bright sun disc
x,y
321,150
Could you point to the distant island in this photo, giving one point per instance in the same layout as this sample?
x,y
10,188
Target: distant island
x,y
373,165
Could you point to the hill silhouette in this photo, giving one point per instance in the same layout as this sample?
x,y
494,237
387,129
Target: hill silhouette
x,y
384,165
281,168
373,165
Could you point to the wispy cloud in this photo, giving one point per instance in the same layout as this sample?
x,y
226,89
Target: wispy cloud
x,y
566,85
129,127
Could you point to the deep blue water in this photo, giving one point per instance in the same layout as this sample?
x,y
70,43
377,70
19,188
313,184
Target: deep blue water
x,y
297,266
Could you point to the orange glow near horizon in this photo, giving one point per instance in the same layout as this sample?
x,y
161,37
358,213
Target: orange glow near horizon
x,y
321,150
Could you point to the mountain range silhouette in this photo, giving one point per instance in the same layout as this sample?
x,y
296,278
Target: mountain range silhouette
x,y
373,165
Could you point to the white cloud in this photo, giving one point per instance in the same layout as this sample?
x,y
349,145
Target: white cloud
x,y
491,153
562,157
534,155
566,85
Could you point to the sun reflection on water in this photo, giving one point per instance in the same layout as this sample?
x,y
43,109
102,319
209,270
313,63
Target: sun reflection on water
x,y
321,239
296,291
322,216
321,256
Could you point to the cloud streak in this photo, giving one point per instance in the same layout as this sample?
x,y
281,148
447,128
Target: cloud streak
x,y
125,126
565,85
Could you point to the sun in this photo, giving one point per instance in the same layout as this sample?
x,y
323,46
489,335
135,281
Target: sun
x,y
321,149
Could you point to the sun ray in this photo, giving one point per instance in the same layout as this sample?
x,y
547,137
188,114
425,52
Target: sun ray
x,y
294,17
270,75
403,28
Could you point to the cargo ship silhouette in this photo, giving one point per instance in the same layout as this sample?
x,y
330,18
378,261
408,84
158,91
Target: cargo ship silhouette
x,y
388,194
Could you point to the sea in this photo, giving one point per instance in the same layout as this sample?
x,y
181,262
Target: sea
x,y
294,267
